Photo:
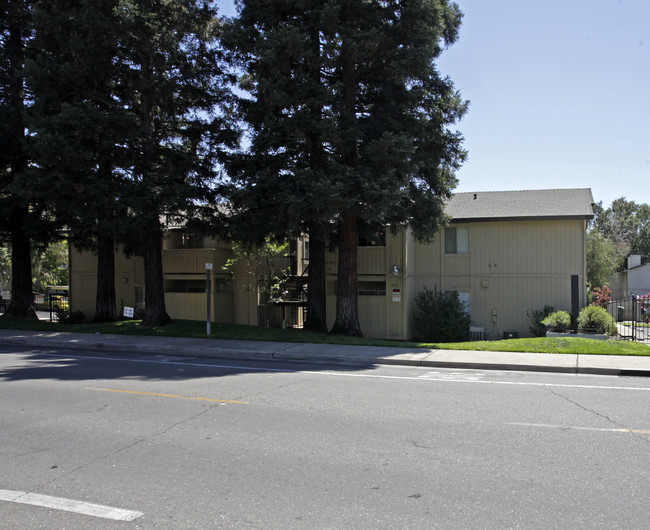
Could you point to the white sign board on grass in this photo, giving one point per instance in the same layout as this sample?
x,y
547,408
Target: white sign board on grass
x,y
128,312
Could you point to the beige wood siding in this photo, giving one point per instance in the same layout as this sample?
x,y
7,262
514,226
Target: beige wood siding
x,y
186,306
185,264
370,260
193,260
379,315
511,267
129,273
524,248
193,306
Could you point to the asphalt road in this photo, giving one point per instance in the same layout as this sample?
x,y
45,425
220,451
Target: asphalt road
x,y
112,441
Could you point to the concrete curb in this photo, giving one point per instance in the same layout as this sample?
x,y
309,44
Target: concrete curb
x,y
333,354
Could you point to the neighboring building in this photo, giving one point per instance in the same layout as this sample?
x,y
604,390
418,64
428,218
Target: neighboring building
x,y
504,253
633,281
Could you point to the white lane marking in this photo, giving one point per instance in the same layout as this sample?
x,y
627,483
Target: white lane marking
x,y
339,374
453,376
69,505
572,427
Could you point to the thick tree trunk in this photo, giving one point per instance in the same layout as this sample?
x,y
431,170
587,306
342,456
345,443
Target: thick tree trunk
x,y
316,280
155,313
347,304
22,295
105,309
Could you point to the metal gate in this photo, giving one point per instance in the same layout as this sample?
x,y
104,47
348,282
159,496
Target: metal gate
x,y
632,317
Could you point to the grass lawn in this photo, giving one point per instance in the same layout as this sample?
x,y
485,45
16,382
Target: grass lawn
x,y
196,329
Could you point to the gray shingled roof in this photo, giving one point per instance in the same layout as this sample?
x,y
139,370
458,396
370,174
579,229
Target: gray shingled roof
x,y
524,204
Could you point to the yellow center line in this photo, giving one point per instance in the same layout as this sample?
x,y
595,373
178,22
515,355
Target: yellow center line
x,y
167,395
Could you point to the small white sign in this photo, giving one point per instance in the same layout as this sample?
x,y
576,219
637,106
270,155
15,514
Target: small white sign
x,y
208,266
128,312
397,295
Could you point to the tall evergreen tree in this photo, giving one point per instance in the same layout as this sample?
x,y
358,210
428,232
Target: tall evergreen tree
x,y
17,219
397,151
280,180
174,89
79,129
353,84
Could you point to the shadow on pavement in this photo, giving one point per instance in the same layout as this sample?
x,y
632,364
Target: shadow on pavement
x,y
78,365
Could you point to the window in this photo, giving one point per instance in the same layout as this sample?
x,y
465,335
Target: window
x,y
457,240
185,286
177,239
373,239
372,288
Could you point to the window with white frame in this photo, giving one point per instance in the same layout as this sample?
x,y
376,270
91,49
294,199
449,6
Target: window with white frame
x,y
457,240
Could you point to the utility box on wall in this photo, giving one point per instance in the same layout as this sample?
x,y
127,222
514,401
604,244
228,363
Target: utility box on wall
x,y
510,334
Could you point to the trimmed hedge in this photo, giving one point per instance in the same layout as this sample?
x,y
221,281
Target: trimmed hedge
x,y
596,318
558,321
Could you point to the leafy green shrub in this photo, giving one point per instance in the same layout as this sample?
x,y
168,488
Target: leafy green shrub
x,y
596,318
440,317
65,317
537,327
558,321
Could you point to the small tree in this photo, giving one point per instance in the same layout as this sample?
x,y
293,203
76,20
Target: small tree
x,y
440,317
260,268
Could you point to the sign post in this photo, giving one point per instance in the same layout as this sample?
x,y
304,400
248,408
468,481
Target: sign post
x,y
208,274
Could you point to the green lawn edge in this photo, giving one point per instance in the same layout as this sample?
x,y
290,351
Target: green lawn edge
x,y
196,329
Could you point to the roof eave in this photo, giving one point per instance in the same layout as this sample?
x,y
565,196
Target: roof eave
x,y
525,218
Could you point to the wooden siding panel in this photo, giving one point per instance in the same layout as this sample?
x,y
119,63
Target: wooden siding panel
x,y
540,247
83,288
371,260
372,316
513,297
193,260
193,306
186,306
526,264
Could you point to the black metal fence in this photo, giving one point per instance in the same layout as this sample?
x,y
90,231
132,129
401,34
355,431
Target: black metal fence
x,y
632,317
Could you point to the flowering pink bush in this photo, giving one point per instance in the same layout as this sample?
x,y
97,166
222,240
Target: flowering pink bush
x,y
601,296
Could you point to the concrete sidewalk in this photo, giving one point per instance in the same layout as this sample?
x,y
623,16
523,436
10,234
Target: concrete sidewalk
x,y
332,353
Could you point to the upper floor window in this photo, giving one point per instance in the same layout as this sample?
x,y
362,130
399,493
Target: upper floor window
x,y
457,240
373,239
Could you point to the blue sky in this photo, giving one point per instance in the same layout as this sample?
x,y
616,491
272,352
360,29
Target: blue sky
x,y
559,95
